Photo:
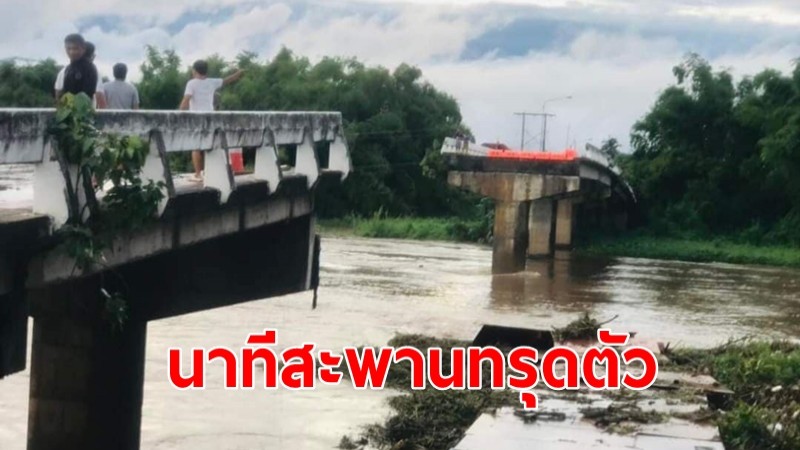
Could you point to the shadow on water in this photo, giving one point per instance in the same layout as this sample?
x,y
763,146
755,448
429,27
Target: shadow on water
x,y
564,283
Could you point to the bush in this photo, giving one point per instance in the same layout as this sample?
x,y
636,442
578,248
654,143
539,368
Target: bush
x,y
765,378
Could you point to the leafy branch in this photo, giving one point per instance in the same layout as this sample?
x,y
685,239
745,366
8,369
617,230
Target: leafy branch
x,y
101,157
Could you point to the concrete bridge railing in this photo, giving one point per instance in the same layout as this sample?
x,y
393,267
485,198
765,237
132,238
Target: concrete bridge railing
x,y
24,140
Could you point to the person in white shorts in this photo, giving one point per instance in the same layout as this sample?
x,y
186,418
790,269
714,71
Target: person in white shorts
x,y
199,96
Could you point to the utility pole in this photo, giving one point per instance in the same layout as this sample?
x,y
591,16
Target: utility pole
x,y
545,116
526,114
544,130
569,128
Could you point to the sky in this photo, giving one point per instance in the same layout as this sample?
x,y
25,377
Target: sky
x,y
612,57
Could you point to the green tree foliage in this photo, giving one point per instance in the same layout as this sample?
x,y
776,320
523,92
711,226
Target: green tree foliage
x,y
163,80
610,148
714,156
27,86
393,120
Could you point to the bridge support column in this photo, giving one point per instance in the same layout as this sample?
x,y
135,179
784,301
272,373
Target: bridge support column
x,y
13,323
565,223
510,237
86,378
540,228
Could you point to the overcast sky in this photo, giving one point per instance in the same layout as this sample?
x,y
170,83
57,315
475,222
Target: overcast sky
x,y
495,57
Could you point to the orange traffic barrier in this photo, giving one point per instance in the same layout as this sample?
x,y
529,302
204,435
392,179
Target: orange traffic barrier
x,y
237,160
565,156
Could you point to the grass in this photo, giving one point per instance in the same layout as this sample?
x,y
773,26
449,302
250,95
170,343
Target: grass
x,y
719,250
416,228
634,245
642,244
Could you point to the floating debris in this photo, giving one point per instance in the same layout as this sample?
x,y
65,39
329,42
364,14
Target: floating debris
x,y
584,328
677,413
617,413
534,416
510,338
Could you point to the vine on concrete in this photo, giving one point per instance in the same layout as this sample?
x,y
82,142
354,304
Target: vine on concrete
x,y
129,203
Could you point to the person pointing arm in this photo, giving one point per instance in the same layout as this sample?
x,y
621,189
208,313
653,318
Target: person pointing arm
x,y
199,96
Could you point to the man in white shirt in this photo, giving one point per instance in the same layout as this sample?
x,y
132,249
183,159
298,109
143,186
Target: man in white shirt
x,y
98,101
199,96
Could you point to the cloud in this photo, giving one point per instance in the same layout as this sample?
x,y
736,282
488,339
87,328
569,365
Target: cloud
x,y
413,34
784,12
612,56
614,79
234,35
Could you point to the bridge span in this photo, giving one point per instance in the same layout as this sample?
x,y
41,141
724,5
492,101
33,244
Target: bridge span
x,y
539,196
228,240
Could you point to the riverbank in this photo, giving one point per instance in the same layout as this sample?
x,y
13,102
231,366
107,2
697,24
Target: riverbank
x,y
703,251
631,245
414,228
765,377
762,413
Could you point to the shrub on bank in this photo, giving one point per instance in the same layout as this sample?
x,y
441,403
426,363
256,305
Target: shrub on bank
x,y
693,250
429,229
765,377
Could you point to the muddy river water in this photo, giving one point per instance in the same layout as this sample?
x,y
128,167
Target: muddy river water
x,y
372,289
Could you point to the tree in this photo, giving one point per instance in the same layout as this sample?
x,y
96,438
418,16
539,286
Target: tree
x,y
163,82
29,85
717,157
393,122
610,148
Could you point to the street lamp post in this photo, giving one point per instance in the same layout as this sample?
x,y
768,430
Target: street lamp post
x,y
545,116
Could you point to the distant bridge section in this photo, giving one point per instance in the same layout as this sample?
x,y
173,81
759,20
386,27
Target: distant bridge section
x,y
538,195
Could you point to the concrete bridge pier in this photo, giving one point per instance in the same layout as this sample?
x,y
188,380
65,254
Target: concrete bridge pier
x,y
551,185
524,212
510,237
541,228
86,377
565,223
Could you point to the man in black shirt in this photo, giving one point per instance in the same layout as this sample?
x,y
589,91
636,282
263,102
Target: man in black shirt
x,y
81,74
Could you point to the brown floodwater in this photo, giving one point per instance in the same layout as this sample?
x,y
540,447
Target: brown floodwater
x,y
373,289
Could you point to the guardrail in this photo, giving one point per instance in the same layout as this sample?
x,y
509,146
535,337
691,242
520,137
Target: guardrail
x,y
593,153
24,140
460,146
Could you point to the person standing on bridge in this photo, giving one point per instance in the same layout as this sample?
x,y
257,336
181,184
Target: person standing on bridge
x,y
119,93
199,96
80,75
